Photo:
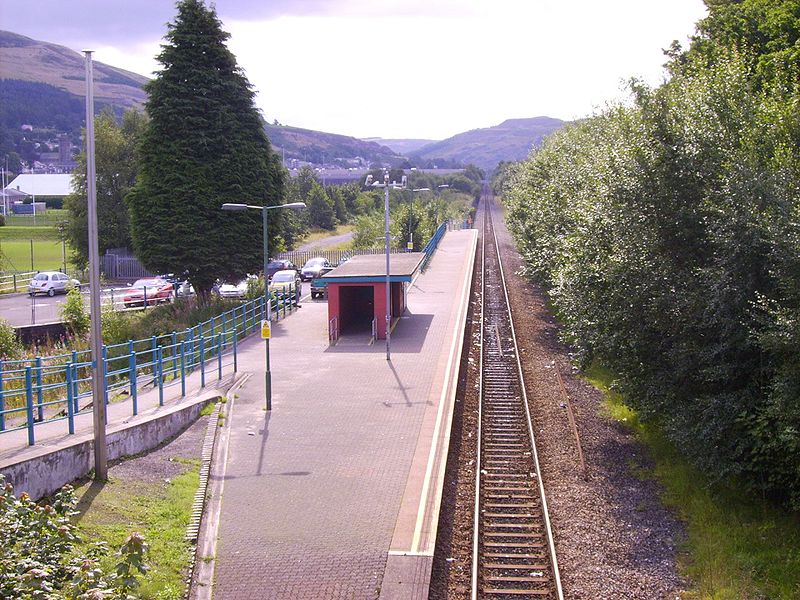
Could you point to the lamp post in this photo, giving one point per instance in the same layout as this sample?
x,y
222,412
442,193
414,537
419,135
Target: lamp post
x,y
264,211
385,185
96,336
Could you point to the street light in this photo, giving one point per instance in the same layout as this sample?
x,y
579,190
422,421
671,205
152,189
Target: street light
x,y
264,210
385,185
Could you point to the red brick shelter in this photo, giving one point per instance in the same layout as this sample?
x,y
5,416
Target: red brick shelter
x,y
357,291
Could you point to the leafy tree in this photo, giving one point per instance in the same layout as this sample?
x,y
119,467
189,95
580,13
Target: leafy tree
x,y
666,235
765,32
116,166
350,192
339,205
320,208
204,146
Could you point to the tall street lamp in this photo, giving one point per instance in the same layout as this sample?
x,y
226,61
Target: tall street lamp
x,y
386,185
264,211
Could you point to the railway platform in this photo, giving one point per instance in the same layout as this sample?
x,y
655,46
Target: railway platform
x,y
335,493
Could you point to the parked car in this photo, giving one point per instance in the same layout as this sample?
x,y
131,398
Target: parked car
x,y
145,292
282,281
51,283
279,264
183,289
313,267
319,287
233,290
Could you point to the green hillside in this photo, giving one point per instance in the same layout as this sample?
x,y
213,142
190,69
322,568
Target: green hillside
x,y
318,147
511,140
25,59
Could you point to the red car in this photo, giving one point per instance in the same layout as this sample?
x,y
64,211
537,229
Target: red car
x,y
145,292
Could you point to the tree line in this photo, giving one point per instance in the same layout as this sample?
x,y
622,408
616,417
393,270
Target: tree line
x,y
666,231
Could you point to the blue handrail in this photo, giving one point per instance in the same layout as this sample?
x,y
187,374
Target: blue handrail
x,y
50,388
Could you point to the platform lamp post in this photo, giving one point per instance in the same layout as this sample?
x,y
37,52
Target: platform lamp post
x,y
385,185
96,335
264,211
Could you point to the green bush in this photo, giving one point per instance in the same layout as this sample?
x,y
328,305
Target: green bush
x,y
255,288
38,556
74,313
117,325
10,346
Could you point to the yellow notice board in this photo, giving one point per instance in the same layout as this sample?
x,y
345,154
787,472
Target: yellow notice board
x,y
266,329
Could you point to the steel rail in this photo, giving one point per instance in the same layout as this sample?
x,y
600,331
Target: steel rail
x,y
496,568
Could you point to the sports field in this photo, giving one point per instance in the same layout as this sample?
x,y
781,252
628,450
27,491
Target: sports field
x,y
28,247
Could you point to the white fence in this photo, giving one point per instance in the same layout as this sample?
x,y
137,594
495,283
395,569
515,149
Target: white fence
x,y
15,282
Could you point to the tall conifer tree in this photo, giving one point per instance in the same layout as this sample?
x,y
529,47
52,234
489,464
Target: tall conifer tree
x,y
205,145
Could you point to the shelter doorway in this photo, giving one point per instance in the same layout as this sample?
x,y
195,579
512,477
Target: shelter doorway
x,y
356,308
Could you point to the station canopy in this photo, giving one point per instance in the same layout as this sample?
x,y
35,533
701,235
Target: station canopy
x,y
371,268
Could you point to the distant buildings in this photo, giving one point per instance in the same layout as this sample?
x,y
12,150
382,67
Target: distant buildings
x,y
34,188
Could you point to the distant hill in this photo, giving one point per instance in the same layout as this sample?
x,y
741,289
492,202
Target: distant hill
x,y
25,59
404,147
43,86
511,140
317,147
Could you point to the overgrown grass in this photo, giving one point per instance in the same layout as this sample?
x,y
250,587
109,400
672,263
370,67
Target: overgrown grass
x,y
737,547
159,511
321,234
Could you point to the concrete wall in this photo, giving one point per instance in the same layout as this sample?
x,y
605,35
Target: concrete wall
x,y
30,334
43,474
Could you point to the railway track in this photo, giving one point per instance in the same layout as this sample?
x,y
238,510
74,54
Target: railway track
x,y
513,551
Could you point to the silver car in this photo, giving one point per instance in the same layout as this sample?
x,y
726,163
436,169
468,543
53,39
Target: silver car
x,y
51,283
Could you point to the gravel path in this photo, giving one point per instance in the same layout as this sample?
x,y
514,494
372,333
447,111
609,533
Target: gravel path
x,y
613,537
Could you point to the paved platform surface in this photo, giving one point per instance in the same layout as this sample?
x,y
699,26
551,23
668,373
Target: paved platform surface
x,y
335,492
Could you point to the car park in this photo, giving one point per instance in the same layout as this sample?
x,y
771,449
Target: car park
x,y
284,281
145,292
51,283
313,267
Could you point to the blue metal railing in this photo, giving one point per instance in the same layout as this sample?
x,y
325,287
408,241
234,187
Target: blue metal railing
x,y
45,389
433,243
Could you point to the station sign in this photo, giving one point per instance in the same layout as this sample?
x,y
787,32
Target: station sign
x,y
266,329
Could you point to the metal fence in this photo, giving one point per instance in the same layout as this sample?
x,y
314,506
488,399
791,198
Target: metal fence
x,y
122,265
51,388
333,256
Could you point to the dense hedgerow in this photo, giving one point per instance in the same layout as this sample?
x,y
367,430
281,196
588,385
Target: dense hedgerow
x,y
667,234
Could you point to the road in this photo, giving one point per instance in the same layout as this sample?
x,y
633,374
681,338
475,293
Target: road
x,y
20,309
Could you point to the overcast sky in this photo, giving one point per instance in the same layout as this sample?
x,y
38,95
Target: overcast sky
x,y
397,68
